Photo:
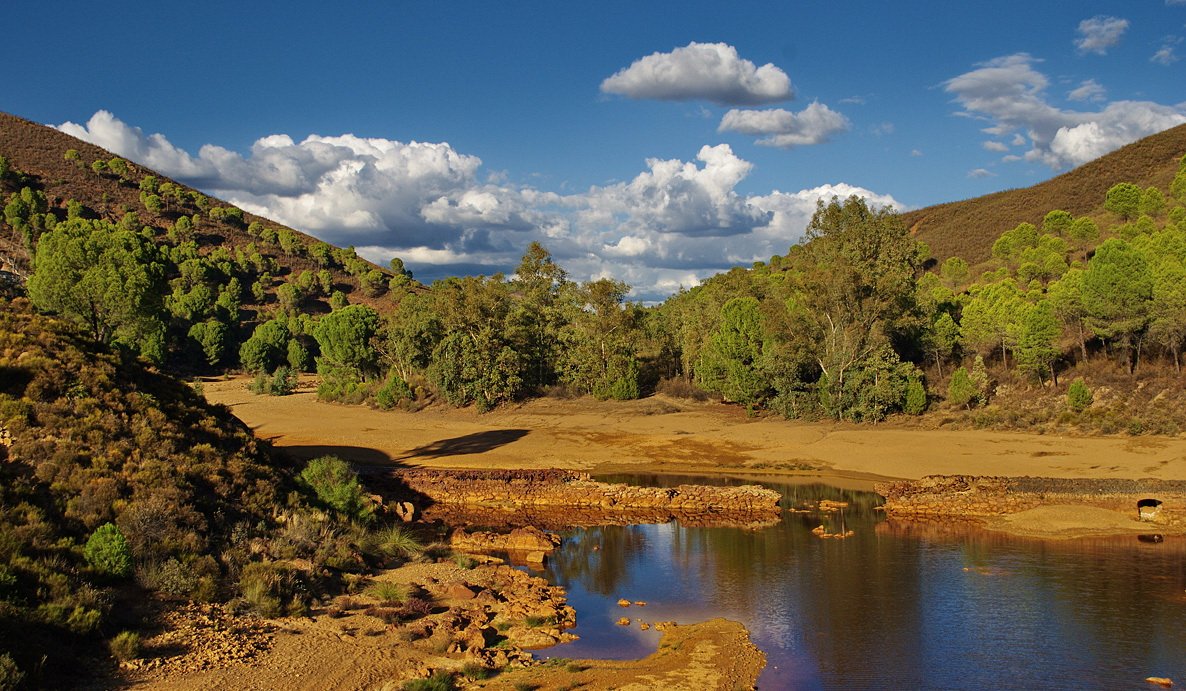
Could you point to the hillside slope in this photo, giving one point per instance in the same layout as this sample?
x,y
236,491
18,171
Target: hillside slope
x,y
39,152
968,228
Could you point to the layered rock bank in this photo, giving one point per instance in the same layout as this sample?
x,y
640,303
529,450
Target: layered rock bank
x,y
1161,504
579,499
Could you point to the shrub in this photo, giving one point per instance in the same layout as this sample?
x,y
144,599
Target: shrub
x,y
108,552
962,391
282,382
441,680
125,645
1079,396
396,541
337,486
11,676
392,392
916,397
390,593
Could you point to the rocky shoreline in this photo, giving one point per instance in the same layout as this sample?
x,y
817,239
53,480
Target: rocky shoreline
x,y
1160,504
577,494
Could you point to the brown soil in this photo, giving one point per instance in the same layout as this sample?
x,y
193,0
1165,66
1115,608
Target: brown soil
x,y
660,434
348,646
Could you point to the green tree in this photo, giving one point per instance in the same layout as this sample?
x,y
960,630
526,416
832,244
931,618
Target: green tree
x,y
1152,202
211,337
1057,223
1066,298
954,272
962,391
1037,347
598,342
106,279
1124,200
118,166
857,292
345,339
1079,396
1178,186
1084,233
991,319
1117,290
731,362
267,348
409,335
1168,309
535,317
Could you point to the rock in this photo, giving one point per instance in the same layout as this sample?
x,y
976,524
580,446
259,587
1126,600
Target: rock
x,y
643,626
459,591
1164,682
640,603
624,621
623,602
664,625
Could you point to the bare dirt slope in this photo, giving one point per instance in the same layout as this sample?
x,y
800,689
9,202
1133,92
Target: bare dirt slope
x,y
659,434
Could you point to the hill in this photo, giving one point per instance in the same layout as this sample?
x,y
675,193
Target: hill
x,y
88,438
208,273
968,228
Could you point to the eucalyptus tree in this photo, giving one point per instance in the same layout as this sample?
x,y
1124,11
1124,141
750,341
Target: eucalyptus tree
x,y
599,340
855,293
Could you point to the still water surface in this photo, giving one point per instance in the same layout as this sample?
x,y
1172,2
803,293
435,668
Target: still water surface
x,y
896,606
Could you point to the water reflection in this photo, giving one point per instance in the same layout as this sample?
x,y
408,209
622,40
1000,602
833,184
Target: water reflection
x,y
898,605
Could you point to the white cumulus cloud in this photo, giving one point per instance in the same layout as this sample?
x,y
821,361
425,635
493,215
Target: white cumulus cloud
x,y
1099,33
781,128
672,224
1010,94
701,71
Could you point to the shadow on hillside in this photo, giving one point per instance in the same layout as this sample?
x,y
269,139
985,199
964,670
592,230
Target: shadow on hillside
x,y
478,442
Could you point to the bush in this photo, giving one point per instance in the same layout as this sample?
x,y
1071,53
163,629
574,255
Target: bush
x,y
916,398
441,680
396,541
1079,396
962,391
390,593
392,392
125,645
11,676
282,382
108,552
337,486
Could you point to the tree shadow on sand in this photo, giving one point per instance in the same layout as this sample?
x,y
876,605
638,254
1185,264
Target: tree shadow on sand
x,y
478,442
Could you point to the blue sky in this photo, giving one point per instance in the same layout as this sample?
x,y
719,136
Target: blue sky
x,y
653,142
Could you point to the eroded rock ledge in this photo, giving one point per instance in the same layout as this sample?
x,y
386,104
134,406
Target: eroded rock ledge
x,y
576,494
969,496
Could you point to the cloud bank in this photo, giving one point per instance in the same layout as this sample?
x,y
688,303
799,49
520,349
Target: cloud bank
x,y
671,225
1010,95
701,71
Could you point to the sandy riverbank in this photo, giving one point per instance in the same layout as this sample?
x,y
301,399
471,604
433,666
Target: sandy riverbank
x,y
668,435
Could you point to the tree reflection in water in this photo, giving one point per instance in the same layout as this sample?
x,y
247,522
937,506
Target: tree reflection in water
x,y
898,605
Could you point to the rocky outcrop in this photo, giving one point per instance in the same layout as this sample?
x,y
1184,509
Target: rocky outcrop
x,y
967,496
576,494
528,541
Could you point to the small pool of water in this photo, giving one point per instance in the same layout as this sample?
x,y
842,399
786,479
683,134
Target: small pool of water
x,y
895,606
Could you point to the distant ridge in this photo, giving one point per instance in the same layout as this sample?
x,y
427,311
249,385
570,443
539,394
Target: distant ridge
x,y
968,228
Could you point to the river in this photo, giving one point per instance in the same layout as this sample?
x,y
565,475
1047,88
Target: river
x,y
894,606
